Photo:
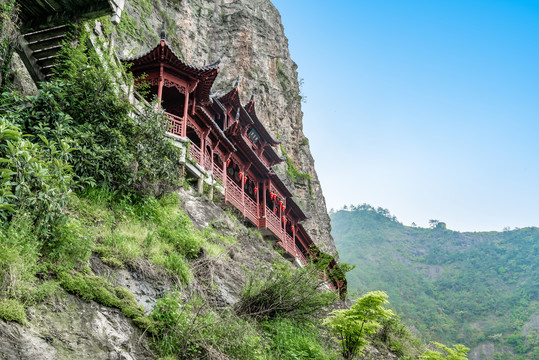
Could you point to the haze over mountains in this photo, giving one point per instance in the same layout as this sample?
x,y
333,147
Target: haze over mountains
x,y
479,289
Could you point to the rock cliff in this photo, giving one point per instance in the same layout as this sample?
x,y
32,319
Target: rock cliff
x,y
249,37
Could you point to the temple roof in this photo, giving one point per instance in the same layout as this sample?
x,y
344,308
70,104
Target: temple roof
x,y
217,129
273,156
234,132
279,184
296,210
233,98
162,53
250,108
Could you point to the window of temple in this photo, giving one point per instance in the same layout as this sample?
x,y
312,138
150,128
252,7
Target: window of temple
x,y
253,136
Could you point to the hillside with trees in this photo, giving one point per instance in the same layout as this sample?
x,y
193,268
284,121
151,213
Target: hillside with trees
x,y
479,289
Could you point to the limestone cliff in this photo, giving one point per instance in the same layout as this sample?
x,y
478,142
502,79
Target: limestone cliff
x,y
249,36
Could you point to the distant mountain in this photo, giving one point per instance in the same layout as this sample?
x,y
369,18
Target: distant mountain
x,y
480,289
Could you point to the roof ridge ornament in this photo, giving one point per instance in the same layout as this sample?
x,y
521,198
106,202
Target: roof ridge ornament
x,y
163,33
253,97
238,114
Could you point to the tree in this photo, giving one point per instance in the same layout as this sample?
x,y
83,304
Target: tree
x,y
458,352
353,326
436,224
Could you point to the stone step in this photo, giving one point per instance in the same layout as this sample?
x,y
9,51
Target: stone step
x,y
46,43
46,61
45,34
46,52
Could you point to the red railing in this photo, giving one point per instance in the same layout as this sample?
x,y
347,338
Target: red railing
x,y
194,152
289,245
233,193
250,209
302,258
207,161
217,171
273,223
175,124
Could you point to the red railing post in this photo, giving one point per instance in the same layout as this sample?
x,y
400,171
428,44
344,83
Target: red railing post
x,y
243,194
186,104
160,86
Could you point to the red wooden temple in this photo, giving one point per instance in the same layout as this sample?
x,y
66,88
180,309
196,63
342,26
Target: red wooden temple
x,y
228,144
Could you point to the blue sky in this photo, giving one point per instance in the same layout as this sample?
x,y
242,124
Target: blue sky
x,y
427,108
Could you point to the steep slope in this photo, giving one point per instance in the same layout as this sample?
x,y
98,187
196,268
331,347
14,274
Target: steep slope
x,y
479,289
249,37
64,325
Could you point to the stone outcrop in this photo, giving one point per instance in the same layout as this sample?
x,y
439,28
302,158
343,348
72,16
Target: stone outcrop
x,y
249,37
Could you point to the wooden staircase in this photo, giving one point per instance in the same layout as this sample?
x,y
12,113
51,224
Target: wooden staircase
x,y
44,28
39,51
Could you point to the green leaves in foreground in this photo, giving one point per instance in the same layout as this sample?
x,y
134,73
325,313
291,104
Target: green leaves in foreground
x,y
353,326
458,352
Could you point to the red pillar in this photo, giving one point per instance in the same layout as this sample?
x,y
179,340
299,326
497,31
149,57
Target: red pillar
x,y
265,208
203,147
257,184
225,175
184,122
160,86
243,192
294,239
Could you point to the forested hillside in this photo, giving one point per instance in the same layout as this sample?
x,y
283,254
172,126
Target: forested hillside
x,y
480,289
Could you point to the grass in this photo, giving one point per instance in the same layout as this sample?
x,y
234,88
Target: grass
x,y
12,310
128,228
290,340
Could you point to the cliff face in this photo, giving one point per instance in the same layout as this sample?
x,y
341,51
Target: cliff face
x,y
249,36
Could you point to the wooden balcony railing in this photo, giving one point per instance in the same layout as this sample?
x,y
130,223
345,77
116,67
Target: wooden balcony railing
x,y
194,152
302,258
251,210
233,193
217,171
290,247
273,223
207,161
175,124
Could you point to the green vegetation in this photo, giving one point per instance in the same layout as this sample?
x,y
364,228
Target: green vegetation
x,y
8,37
85,174
282,291
468,288
286,84
190,329
457,353
289,339
293,172
12,310
353,326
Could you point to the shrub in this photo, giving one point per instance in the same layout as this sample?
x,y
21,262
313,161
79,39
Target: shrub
x,y
12,310
353,326
35,179
290,340
82,108
191,330
458,352
282,291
